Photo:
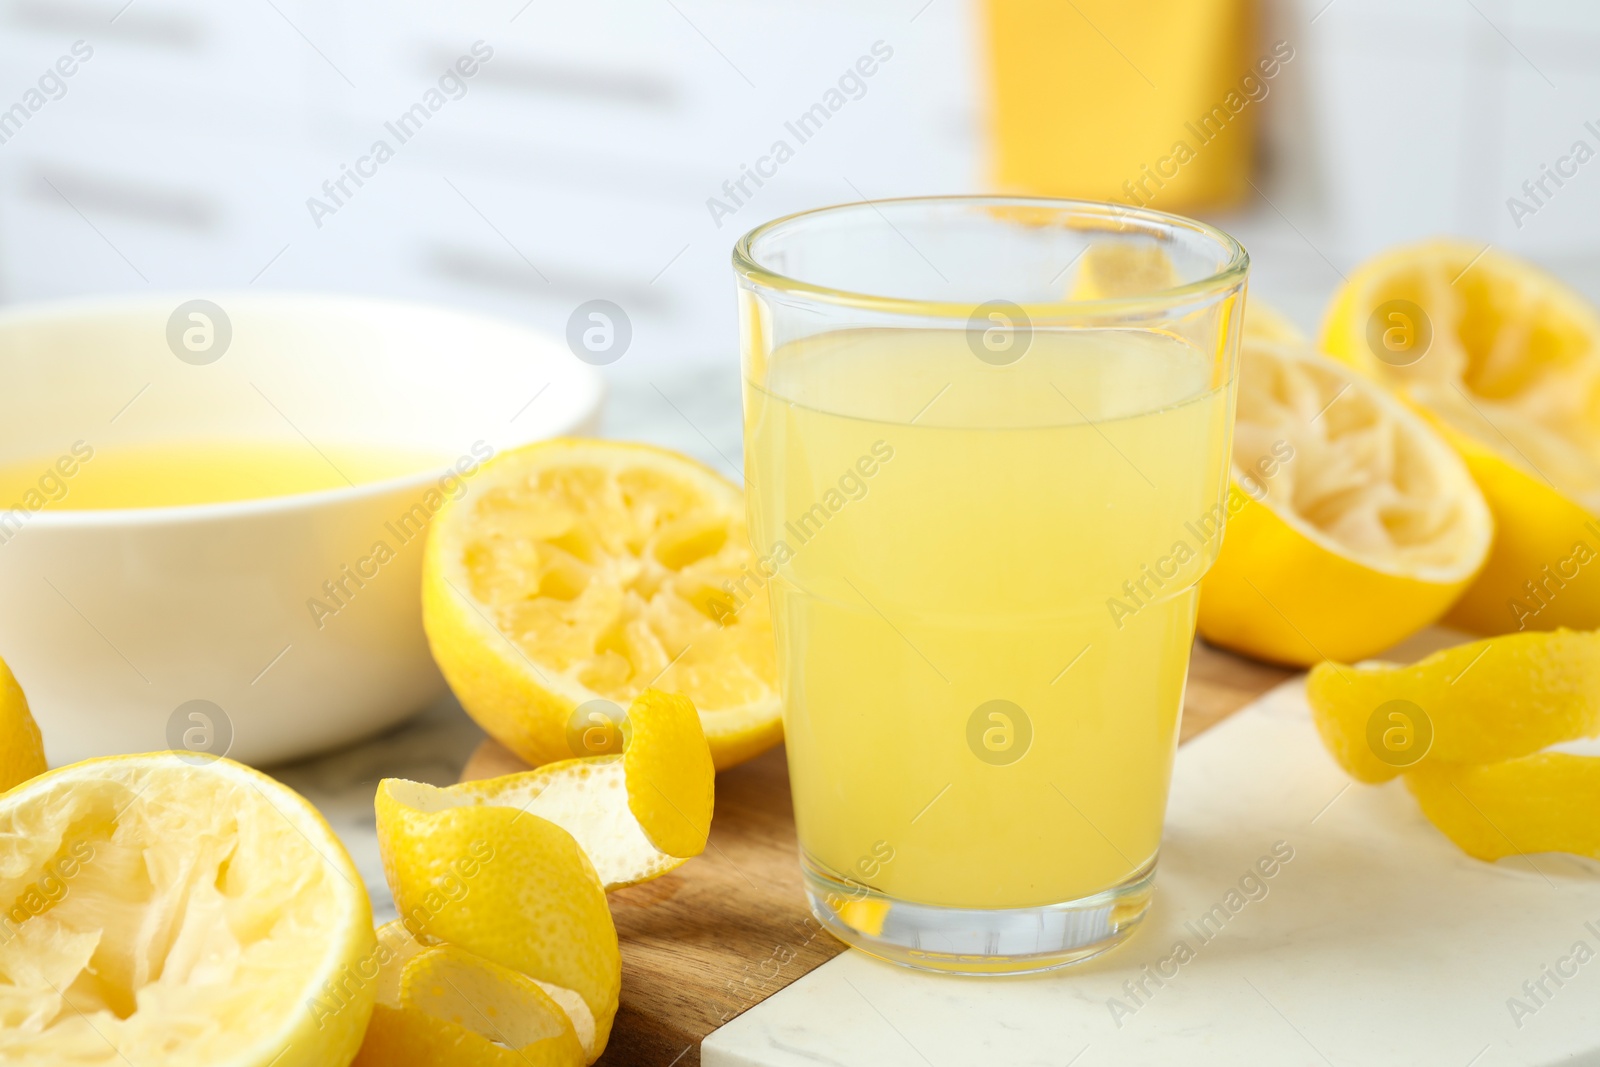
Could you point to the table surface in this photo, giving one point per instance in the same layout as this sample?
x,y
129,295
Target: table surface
x,y
684,973
1299,918
696,410
698,945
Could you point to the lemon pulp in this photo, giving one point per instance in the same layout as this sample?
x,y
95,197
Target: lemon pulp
x,y
1352,524
1505,359
1512,357
576,572
165,912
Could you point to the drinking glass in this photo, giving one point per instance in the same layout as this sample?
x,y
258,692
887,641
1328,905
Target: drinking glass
x,y
986,459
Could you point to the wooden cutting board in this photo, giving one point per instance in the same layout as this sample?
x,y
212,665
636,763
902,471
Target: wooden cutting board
x,y
727,930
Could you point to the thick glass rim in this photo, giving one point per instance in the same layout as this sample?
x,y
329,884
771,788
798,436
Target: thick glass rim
x,y
1237,265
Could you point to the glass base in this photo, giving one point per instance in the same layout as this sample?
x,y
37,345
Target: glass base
x,y
975,941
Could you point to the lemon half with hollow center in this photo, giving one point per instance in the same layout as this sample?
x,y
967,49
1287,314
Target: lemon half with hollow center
x,y
1264,322
1351,524
1506,360
1114,269
576,571
189,914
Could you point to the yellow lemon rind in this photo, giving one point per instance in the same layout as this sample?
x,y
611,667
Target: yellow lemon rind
x,y
21,746
503,884
1499,698
1539,803
669,773
587,797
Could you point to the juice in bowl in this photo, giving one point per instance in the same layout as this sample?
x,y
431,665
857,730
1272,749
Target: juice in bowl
x,y
174,474
225,553
983,507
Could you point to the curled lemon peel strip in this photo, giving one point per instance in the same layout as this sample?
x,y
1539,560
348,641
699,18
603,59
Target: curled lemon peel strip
x,y
1481,716
513,872
1484,701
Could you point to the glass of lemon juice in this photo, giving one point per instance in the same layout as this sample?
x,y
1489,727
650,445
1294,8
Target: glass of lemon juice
x,y
986,447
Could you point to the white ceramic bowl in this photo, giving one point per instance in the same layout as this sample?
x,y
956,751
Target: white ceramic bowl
x,y
142,629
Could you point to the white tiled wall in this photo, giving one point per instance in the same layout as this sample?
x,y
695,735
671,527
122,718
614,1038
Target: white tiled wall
x,y
576,165
579,162
1420,117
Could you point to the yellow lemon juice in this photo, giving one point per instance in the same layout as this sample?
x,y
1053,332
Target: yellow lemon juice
x,y
983,583
86,477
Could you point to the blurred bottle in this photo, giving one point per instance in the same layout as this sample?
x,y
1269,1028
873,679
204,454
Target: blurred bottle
x,y
1146,102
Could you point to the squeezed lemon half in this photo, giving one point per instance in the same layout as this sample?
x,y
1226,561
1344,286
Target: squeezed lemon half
x,y
579,571
1263,322
1505,360
1112,269
188,914
1351,524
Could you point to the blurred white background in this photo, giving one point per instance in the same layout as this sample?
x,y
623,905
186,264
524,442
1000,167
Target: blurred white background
x,y
577,161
